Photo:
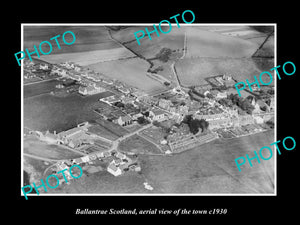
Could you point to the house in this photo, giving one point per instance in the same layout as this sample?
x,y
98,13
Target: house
x,y
165,104
156,115
124,90
100,154
76,68
78,161
71,132
113,169
107,81
258,119
110,99
183,109
117,161
226,77
106,154
75,143
127,100
85,159
120,155
49,137
124,120
136,116
221,95
91,90
44,66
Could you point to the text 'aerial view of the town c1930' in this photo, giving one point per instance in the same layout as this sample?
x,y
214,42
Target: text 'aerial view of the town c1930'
x,y
162,117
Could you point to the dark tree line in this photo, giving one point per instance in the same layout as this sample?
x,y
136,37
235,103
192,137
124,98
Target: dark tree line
x,y
195,124
164,54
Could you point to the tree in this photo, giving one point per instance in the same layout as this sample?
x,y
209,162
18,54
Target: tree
x,y
164,54
142,120
195,124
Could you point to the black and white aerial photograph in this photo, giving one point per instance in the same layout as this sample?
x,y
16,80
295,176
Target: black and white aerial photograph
x,y
137,109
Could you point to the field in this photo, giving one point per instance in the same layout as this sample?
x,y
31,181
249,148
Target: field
x,y
149,48
35,147
47,112
87,38
210,168
207,169
201,43
112,127
89,57
267,49
138,144
92,44
249,33
40,88
131,72
102,132
194,71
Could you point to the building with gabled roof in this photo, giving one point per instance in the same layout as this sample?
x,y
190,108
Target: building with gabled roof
x,y
113,169
156,114
124,120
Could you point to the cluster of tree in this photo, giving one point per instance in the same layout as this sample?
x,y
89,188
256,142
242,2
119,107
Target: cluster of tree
x,y
159,68
226,102
195,124
243,103
164,54
141,120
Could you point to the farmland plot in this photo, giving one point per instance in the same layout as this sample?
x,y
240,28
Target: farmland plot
x,y
129,71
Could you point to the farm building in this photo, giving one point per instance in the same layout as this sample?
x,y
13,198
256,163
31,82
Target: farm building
x,y
113,169
156,115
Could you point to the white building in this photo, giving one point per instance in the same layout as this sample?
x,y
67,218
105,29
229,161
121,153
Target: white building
x,y
113,169
43,66
91,90
156,115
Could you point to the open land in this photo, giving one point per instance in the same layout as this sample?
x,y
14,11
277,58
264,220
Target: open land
x,y
130,71
173,40
35,147
48,112
216,45
87,38
194,71
138,144
205,169
40,88
90,57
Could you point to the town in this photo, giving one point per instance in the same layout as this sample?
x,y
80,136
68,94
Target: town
x,y
174,121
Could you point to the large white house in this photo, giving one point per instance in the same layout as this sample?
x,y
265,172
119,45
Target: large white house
x,y
91,90
113,169
156,115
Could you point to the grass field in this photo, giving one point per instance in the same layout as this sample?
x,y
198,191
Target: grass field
x,y
211,168
207,169
149,48
35,147
138,144
267,49
201,43
89,57
87,38
129,71
92,44
40,88
47,112
103,132
112,127
194,71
